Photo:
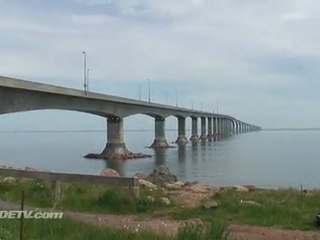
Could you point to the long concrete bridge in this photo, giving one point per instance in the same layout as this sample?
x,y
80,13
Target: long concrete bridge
x,y
19,95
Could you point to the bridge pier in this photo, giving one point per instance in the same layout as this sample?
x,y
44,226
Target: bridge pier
x,y
194,130
203,136
214,123
241,128
237,127
219,126
160,136
226,126
182,139
210,134
115,144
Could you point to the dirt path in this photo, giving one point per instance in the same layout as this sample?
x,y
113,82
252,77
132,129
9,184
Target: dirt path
x,y
169,226
264,233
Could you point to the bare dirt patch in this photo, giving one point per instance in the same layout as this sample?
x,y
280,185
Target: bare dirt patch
x,y
264,233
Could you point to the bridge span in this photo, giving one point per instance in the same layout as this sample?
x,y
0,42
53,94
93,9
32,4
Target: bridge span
x,y
19,95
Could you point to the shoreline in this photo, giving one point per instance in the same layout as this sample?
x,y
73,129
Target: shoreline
x,y
222,186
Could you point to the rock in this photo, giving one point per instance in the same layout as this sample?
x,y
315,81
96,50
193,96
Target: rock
x,y
161,176
241,189
30,169
120,156
187,183
250,202
162,170
165,200
9,180
146,184
174,186
198,188
186,198
151,199
203,188
251,188
210,204
143,176
109,172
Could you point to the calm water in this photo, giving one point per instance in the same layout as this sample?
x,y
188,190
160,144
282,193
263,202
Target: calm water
x,y
265,158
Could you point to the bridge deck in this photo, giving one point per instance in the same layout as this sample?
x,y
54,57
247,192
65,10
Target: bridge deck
x,y
39,87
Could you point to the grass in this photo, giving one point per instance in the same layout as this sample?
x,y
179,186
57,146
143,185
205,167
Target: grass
x,y
284,208
208,231
79,197
73,230
38,192
68,229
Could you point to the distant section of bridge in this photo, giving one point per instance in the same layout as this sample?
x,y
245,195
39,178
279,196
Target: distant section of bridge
x,y
19,95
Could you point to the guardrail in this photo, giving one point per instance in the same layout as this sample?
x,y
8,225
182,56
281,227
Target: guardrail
x,y
131,183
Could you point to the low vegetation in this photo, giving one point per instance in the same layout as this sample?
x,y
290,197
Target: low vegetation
x,y
73,230
77,197
283,208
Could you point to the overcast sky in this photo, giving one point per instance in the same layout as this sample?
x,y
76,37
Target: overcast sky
x,y
256,60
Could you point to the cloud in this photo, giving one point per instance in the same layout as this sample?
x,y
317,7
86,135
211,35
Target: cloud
x,y
231,52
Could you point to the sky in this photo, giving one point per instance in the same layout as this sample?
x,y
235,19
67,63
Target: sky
x,y
258,61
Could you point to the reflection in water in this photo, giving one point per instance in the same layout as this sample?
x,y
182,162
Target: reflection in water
x,y
259,158
210,145
203,144
194,151
182,156
217,138
160,156
116,164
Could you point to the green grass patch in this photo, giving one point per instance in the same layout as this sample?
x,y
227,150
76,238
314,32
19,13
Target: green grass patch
x,y
83,197
73,230
68,229
38,192
284,208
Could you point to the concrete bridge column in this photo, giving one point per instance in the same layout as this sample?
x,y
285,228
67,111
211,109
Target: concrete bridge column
x,y
214,122
223,130
209,127
115,144
237,127
233,127
222,126
228,126
182,139
218,126
203,129
160,136
194,130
